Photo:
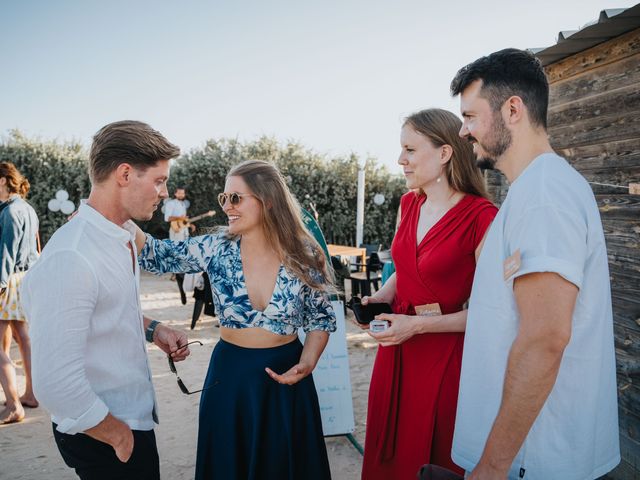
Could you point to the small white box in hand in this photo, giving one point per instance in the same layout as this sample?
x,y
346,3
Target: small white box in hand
x,y
378,326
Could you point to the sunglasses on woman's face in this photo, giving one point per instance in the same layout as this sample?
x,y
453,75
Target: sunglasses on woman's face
x,y
234,198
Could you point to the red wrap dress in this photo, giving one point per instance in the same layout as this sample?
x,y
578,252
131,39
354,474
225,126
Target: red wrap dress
x,y
414,385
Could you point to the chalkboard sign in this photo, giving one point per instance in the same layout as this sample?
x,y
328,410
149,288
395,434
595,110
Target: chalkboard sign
x,y
333,382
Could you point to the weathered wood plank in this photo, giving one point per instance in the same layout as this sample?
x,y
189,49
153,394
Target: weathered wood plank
x,y
614,163
618,101
628,392
629,424
623,253
621,233
619,206
606,53
629,367
630,451
624,292
623,73
613,154
627,307
612,180
628,319
623,298
624,276
594,131
627,340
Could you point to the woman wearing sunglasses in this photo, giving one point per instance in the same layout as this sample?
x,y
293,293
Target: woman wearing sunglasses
x,y
259,412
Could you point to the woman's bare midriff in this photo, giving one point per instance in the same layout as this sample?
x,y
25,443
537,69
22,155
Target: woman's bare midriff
x,y
254,337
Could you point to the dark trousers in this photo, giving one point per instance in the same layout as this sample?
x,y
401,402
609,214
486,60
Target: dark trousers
x,y
180,282
95,460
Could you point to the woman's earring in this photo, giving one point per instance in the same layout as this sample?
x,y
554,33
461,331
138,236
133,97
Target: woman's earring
x,y
439,180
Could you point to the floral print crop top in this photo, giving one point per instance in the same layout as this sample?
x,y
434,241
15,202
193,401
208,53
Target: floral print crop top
x,y
293,304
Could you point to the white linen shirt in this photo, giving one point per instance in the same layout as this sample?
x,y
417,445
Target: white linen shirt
x,y
551,216
87,338
174,208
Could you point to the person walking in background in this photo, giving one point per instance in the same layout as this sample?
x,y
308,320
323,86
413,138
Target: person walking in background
x,y
90,363
259,411
538,384
19,249
8,334
414,384
175,214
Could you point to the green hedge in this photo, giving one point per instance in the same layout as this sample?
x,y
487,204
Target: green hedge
x,y
49,166
330,183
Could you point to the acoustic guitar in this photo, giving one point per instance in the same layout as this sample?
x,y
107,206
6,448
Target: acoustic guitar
x,y
177,225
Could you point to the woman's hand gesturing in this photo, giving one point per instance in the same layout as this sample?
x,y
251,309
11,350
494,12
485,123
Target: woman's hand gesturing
x,y
291,376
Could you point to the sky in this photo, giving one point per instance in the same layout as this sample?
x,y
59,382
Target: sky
x,y
338,76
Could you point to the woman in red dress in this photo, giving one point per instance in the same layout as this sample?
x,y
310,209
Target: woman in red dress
x,y
414,385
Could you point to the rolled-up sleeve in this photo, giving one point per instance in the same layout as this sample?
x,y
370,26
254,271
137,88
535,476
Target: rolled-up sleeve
x,y
60,316
189,256
560,247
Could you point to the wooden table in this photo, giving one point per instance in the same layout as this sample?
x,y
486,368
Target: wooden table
x,y
344,250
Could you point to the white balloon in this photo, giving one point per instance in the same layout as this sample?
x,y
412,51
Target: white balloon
x,y
62,195
378,199
67,207
54,205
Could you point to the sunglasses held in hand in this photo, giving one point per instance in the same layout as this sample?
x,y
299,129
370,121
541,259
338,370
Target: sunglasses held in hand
x,y
172,367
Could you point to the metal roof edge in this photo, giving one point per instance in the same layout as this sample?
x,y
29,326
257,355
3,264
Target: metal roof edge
x,y
611,23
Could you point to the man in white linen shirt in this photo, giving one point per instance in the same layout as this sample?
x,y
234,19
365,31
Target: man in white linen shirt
x,y
537,393
90,365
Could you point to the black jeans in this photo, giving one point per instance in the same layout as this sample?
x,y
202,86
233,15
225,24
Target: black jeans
x,y
95,460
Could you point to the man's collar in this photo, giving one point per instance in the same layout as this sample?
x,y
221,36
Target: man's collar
x,y
91,215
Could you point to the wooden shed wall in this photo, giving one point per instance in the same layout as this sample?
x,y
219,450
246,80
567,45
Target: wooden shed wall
x,y
594,122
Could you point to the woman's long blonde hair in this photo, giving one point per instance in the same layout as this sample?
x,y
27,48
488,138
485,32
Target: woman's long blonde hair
x,y
282,223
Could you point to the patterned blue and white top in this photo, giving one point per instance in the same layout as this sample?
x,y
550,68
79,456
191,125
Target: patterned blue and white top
x,y
293,304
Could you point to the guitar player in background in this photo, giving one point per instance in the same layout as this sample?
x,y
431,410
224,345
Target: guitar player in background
x,y
176,210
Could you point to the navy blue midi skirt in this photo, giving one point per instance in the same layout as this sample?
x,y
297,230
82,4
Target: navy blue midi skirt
x,y
252,427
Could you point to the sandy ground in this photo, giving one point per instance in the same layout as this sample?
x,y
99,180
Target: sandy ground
x,y
28,451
